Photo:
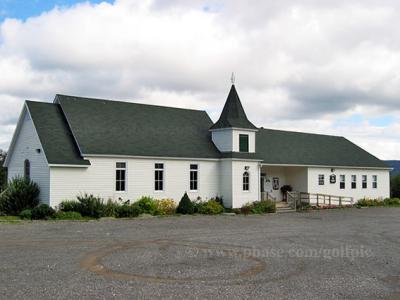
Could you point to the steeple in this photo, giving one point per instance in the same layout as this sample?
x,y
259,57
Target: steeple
x,y
233,115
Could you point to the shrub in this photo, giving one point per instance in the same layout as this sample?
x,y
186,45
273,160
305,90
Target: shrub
x,y
128,211
70,206
147,205
110,208
91,206
21,193
26,214
68,215
391,202
165,207
185,206
263,207
395,186
246,209
42,212
211,207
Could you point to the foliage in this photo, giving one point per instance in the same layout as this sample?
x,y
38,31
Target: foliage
x,y
26,214
395,186
258,207
211,207
128,211
91,206
147,205
3,171
263,207
165,207
42,212
68,215
21,193
185,205
110,208
70,206
377,202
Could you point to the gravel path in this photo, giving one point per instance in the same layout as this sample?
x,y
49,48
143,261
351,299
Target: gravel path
x,y
335,254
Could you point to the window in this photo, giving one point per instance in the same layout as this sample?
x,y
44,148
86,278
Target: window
x,y
194,172
342,182
353,181
364,181
27,169
159,177
120,177
374,181
243,143
246,181
321,179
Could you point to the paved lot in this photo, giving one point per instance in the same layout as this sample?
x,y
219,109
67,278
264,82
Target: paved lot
x,y
351,254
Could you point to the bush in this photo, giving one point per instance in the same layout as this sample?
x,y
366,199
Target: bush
x,y
210,207
70,206
263,207
185,206
395,186
259,207
21,193
91,206
391,202
147,205
110,208
68,215
128,211
42,212
165,207
26,214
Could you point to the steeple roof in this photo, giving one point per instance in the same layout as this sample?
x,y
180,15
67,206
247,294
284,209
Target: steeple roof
x,y
233,114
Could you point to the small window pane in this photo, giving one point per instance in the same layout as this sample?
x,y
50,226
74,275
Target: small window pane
x,y
243,143
364,181
193,177
353,181
321,179
374,181
342,182
246,181
120,177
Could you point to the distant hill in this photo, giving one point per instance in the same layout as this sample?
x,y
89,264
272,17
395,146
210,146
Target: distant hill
x,y
395,164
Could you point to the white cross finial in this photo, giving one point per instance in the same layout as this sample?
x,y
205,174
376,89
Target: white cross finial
x,y
233,78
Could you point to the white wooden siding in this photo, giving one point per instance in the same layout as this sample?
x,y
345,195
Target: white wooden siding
x,y
383,190
240,197
227,140
26,143
99,180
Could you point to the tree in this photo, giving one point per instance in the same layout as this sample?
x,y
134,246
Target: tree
x,y
395,186
3,171
185,206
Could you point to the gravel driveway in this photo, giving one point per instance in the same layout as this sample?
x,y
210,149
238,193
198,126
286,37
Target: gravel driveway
x,y
335,254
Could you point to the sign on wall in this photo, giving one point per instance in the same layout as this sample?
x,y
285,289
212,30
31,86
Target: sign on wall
x,y
275,183
332,179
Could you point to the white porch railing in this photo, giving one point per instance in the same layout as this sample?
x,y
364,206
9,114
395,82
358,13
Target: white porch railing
x,y
297,199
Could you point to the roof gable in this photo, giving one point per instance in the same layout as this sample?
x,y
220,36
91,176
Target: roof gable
x,y
57,141
233,115
103,127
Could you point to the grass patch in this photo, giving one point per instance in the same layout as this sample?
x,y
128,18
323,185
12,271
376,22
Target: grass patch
x,y
10,220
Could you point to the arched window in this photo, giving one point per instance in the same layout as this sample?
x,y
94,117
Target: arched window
x,y
27,169
246,181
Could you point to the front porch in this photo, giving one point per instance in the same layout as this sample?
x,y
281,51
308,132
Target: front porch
x,y
272,178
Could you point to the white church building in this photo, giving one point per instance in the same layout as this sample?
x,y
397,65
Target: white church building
x,y
121,150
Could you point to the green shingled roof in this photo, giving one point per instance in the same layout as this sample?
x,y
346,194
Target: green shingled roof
x,y
57,141
297,148
75,126
233,115
123,128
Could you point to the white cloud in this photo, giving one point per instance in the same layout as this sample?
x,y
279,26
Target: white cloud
x,y
299,64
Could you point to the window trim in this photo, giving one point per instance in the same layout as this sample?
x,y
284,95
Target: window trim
x,y
354,181
374,182
246,183
126,177
319,179
163,177
190,178
364,181
342,187
248,142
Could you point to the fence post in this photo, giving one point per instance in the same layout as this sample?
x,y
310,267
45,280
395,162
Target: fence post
x,y
340,201
330,200
317,201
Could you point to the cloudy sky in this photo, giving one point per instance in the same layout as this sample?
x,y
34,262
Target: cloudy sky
x,y
330,67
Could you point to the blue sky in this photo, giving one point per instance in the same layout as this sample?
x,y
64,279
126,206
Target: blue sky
x,y
23,9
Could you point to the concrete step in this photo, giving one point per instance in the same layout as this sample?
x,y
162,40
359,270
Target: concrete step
x,y
286,210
